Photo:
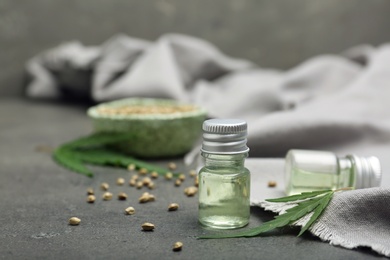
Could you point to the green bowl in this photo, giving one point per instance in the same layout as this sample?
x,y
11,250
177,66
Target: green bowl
x,y
169,129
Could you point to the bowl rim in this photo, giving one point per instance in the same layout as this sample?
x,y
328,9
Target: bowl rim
x,y
93,111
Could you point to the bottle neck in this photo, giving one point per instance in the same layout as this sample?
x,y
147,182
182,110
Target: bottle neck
x,y
224,160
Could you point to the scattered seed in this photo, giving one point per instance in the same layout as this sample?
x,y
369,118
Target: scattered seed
x,y
91,198
152,197
74,221
134,177
131,167
173,207
130,211
151,185
139,184
177,246
120,181
90,191
154,175
146,181
147,226
196,182
182,177
122,196
168,176
172,166
132,182
190,191
143,199
143,171
104,186
272,184
107,196
146,197
192,173
177,182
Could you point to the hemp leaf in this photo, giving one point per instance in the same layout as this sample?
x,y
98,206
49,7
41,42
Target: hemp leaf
x,y
95,149
307,202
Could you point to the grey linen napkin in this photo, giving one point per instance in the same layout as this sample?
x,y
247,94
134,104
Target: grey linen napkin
x,y
358,218
338,103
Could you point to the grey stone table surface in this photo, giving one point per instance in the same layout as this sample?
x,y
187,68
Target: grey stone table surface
x,y
37,197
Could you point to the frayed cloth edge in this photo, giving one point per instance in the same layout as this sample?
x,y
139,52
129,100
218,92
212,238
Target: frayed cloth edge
x,y
318,229
321,231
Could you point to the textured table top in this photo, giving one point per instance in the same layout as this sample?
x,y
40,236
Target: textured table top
x,y
38,197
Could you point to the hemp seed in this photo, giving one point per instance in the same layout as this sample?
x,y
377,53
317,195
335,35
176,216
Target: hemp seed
x,y
74,221
196,182
151,186
182,177
147,226
104,186
139,184
154,175
190,191
120,181
146,197
130,211
172,166
168,176
272,184
192,173
177,182
177,246
131,167
132,182
107,196
152,197
143,171
91,198
146,181
90,191
122,196
173,207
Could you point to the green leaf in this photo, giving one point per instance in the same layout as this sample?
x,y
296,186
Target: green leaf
x,y
293,214
66,159
93,149
317,212
302,196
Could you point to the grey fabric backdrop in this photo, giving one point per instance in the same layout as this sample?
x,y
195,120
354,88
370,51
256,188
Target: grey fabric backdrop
x,y
271,33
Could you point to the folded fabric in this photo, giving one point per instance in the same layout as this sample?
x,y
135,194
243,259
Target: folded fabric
x,y
358,218
331,102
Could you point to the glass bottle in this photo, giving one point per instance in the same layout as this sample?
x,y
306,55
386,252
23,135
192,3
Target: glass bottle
x,y
307,170
224,182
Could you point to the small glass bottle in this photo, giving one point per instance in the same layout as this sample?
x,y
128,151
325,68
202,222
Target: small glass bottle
x,y
224,182
319,170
